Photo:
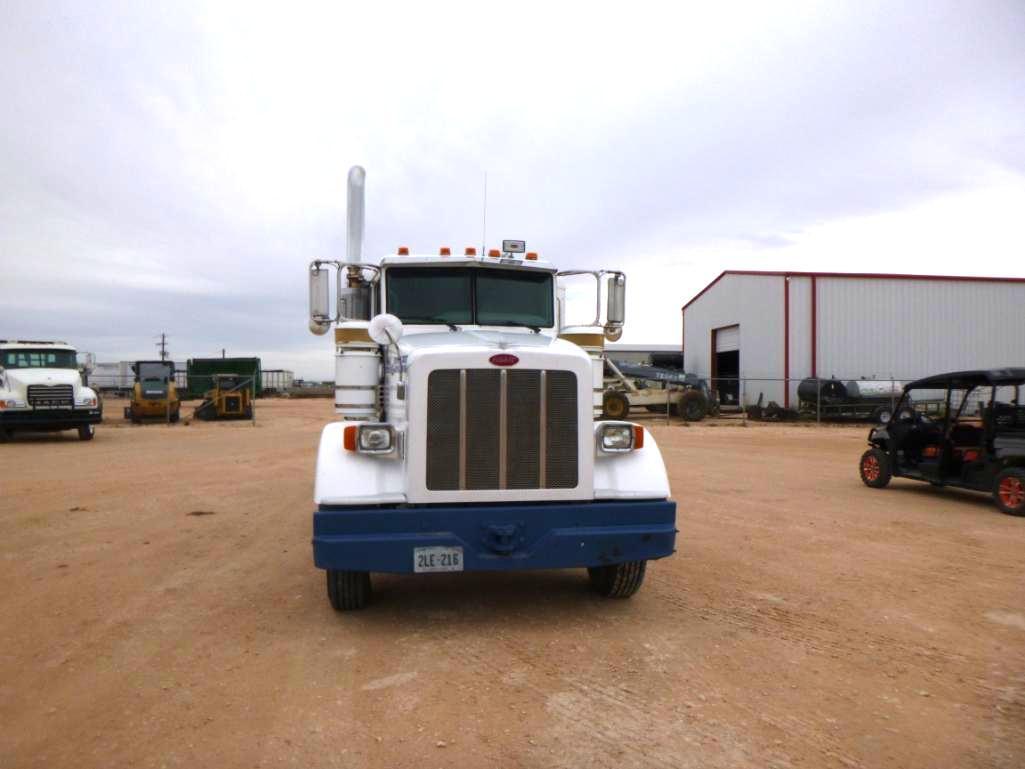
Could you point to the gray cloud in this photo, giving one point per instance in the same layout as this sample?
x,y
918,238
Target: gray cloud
x,y
173,170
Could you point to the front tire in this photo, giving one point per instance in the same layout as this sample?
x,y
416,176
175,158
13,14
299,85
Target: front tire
x,y
348,590
874,468
1009,491
86,433
619,580
694,406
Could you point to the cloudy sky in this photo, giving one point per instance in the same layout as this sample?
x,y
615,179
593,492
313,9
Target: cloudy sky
x,y
173,169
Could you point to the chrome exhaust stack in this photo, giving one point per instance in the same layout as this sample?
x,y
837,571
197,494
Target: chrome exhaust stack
x,y
355,207
354,290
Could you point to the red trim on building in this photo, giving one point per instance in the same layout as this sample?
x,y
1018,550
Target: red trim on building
x,y
814,329
867,275
786,341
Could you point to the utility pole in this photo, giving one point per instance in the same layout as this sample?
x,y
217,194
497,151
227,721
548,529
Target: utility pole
x,y
162,344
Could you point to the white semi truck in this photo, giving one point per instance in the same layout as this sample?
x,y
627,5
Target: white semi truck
x,y
467,439
41,390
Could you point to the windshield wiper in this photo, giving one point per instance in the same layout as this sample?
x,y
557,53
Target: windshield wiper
x,y
423,319
535,329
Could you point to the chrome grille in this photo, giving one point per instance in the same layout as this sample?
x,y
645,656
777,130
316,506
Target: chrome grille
x,y
501,429
51,395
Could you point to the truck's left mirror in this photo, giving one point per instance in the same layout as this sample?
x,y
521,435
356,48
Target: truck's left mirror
x,y
320,299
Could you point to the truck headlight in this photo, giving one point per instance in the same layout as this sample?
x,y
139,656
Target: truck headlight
x,y
11,404
620,437
88,402
370,439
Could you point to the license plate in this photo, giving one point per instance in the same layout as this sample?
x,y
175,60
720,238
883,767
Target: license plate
x,y
428,559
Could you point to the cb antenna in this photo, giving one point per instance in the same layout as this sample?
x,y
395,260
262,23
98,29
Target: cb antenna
x,y
484,223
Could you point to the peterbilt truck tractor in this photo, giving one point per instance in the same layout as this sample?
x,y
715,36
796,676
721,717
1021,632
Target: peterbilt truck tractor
x,y
41,390
469,436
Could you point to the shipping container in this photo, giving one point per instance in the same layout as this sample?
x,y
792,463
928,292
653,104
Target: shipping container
x,y
200,373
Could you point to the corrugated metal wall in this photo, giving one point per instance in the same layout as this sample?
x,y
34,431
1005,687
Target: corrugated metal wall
x,y
912,328
755,302
866,327
800,333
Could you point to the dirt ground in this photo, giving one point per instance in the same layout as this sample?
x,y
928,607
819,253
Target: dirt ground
x,y
160,608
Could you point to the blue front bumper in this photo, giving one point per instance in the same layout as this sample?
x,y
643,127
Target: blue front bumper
x,y
495,537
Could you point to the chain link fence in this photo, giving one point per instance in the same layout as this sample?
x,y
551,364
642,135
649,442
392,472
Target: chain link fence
x,y
816,399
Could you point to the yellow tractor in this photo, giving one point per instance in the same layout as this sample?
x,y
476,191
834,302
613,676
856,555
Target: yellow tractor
x,y
230,398
154,395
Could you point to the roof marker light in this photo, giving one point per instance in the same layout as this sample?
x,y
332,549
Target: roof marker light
x,y
445,251
532,255
495,253
403,251
470,251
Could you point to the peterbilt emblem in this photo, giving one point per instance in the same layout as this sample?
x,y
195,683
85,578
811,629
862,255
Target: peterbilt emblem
x,y
504,359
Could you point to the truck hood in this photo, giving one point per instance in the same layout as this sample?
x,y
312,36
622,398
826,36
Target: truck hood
x,y
19,378
466,340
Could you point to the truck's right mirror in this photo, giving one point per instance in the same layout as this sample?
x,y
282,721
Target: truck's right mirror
x,y
616,312
320,299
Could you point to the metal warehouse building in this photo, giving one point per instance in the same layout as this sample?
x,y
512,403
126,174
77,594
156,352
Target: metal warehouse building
x,y
767,328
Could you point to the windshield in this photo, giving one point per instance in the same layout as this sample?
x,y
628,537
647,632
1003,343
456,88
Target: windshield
x,y
38,359
481,296
157,371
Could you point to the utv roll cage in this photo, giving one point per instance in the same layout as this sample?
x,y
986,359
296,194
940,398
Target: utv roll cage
x,y
983,450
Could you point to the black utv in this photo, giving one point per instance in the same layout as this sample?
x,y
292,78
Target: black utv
x,y
964,429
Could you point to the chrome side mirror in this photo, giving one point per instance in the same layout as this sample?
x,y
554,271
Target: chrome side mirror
x,y
320,299
615,313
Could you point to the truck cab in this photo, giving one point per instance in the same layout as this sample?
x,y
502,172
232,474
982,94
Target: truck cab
x,y
467,438
41,390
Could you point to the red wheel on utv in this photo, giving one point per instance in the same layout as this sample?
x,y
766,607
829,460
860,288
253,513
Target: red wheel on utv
x,y
1009,491
875,468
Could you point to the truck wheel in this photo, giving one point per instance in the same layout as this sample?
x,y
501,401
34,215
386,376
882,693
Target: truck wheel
x,y
694,406
348,590
86,433
615,406
875,468
1009,491
620,580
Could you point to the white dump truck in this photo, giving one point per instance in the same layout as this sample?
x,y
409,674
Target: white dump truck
x,y
41,390
467,439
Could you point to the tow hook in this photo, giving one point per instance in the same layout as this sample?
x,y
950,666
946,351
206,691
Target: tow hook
x,y
502,537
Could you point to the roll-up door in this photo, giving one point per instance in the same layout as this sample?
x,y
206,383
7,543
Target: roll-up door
x,y
727,339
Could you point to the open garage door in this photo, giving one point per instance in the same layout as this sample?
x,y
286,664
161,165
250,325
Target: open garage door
x,y
726,364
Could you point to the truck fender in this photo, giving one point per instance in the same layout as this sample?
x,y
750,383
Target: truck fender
x,y
347,478
640,474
